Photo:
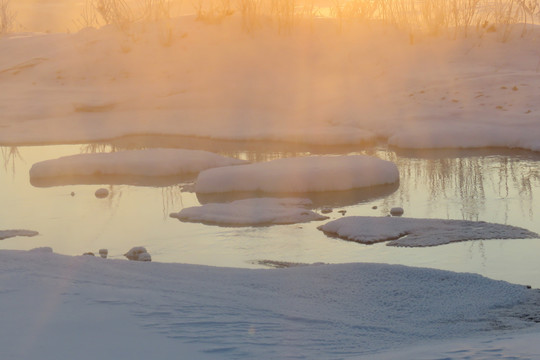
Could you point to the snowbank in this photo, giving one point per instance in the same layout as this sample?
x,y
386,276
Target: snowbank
x,y
150,162
79,307
418,232
332,89
251,212
300,175
4,234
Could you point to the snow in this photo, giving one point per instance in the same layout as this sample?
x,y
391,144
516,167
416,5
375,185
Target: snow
x,y
57,306
312,86
300,175
409,232
4,234
251,212
508,346
148,162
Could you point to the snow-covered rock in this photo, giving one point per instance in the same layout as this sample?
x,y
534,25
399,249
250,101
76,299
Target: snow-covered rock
x,y
149,162
138,253
298,175
410,232
4,234
251,212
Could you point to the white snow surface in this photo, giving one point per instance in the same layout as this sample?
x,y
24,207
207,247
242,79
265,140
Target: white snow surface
x,y
251,212
4,234
60,307
148,162
519,346
313,86
300,175
409,232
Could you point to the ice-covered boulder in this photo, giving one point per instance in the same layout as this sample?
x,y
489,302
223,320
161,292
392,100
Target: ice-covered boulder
x,y
138,253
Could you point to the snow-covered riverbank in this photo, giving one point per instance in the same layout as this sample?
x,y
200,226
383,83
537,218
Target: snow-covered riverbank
x,y
60,307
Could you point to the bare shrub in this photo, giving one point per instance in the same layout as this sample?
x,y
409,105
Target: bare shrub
x,y
7,17
116,12
251,12
212,13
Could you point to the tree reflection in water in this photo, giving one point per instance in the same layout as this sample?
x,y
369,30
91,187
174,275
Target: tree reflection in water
x,y
10,156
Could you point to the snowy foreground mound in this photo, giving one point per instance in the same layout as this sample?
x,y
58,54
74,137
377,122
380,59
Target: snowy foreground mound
x,y
4,234
300,175
59,307
251,212
150,162
419,232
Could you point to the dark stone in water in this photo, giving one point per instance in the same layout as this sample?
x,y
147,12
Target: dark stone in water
x,y
102,193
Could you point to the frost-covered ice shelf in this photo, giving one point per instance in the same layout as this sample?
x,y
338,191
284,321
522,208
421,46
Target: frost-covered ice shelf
x,y
409,232
4,234
251,212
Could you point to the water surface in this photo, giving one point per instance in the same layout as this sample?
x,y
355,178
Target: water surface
x,y
494,185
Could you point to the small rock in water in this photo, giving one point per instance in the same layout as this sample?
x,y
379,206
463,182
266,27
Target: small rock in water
x,y
326,210
342,212
89,253
145,257
396,211
102,193
103,253
138,253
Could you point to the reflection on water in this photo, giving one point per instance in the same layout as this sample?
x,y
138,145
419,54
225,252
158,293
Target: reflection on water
x,y
319,199
10,155
96,179
493,185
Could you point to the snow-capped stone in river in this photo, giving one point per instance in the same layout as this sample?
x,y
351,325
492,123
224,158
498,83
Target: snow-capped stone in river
x,y
101,193
251,212
147,162
299,175
396,211
409,232
138,253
